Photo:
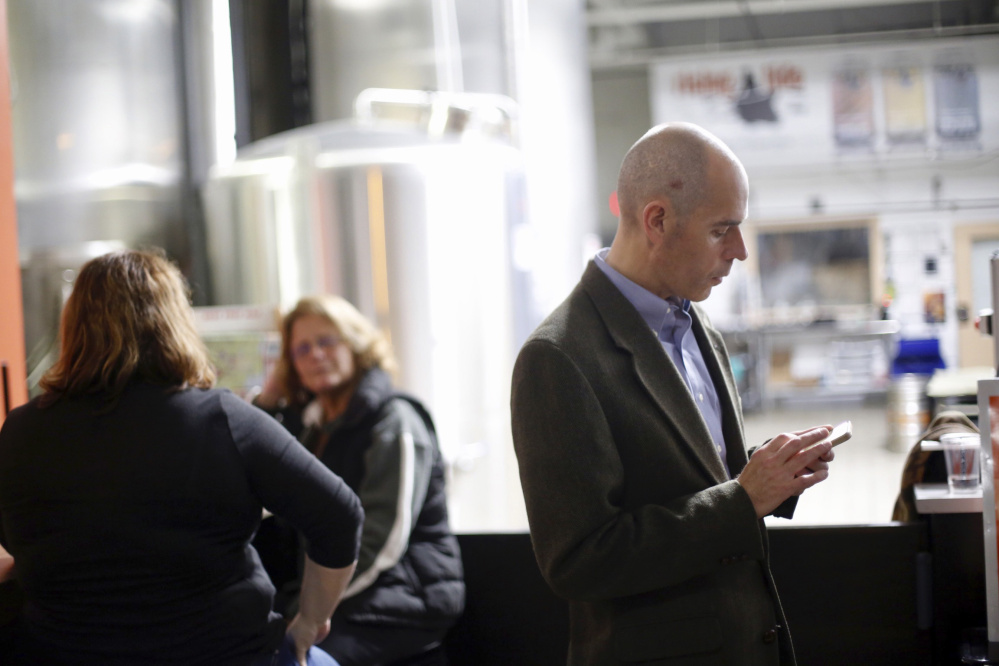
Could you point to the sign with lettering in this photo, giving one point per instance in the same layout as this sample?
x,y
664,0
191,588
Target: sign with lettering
x,y
782,108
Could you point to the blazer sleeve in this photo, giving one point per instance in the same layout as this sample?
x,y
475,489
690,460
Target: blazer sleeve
x,y
591,542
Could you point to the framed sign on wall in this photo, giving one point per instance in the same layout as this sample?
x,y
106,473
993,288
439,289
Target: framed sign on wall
x,y
809,270
783,108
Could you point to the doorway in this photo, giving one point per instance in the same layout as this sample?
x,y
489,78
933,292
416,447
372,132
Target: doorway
x,y
974,245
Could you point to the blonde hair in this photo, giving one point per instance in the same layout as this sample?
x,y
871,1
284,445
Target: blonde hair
x,y
371,349
128,317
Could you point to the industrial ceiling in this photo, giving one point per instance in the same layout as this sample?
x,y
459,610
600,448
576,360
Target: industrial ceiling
x,y
634,33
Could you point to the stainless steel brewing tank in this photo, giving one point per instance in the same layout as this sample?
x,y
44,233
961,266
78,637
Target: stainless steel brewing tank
x,y
412,229
97,138
270,221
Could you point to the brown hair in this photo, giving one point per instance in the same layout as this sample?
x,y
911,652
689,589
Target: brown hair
x,y
370,347
128,317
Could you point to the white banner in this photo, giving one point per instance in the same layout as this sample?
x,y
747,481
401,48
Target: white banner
x,y
781,108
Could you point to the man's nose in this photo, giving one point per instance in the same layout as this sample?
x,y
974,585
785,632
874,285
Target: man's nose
x,y
736,245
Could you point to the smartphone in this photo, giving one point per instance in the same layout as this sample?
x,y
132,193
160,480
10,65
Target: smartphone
x,y
839,434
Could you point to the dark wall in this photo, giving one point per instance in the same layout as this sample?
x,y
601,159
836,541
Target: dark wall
x,y
511,615
877,595
852,595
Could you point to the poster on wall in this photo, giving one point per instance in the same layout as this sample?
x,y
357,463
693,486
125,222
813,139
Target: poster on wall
x,y
782,108
956,96
243,343
853,107
905,106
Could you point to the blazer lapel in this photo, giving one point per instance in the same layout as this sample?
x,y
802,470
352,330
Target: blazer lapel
x,y
719,366
654,368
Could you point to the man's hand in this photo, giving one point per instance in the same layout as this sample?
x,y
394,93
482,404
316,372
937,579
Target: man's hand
x,y
823,461
779,469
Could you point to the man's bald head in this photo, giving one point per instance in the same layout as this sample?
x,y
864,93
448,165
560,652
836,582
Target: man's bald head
x,y
671,162
683,195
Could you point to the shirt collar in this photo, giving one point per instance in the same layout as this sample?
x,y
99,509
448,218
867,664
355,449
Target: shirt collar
x,y
656,312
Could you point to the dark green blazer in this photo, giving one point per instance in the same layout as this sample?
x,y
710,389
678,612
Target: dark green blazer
x,y
632,516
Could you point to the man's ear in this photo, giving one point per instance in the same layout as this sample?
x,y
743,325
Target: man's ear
x,y
657,218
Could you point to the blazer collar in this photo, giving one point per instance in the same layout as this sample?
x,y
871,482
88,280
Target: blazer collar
x,y
660,377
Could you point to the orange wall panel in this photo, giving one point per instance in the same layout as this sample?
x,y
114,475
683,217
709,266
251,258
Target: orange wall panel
x,y
11,308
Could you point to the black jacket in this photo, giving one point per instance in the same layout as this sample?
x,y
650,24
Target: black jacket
x,y
131,527
409,570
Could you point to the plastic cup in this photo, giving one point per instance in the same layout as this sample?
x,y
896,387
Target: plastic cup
x,y
963,454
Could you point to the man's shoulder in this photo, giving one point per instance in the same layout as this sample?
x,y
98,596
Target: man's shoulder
x,y
576,333
573,317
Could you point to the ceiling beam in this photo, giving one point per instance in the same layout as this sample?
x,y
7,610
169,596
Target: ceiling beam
x,y
641,58
686,11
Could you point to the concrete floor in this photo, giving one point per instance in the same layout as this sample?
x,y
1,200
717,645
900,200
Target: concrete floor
x,y
864,478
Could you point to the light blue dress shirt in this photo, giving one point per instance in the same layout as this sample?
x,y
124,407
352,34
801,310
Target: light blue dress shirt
x,y
670,320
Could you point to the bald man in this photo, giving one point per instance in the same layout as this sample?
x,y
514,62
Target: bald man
x,y
646,511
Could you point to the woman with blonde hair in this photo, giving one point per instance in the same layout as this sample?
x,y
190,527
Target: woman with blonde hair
x,y
332,389
130,491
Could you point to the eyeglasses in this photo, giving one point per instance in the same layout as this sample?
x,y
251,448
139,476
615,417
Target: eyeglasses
x,y
304,348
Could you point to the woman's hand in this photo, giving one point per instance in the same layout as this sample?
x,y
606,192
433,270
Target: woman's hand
x,y
273,390
304,634
6,564
322,588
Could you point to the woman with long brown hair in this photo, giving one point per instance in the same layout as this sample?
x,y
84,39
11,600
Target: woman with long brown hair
x,y
333,389
130,491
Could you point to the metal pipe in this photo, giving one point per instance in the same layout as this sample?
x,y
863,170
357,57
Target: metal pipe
x,y
703,10
601,61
